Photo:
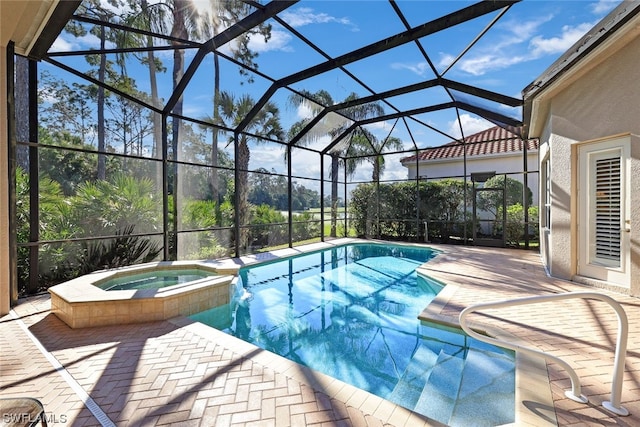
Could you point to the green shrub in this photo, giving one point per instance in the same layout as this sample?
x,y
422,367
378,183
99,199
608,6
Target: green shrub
x,y
268,227
305,227
394,212
515,223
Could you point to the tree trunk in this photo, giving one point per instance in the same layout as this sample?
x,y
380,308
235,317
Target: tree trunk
x,y
102,166
242,190
215,180
178,30
376,169
157,120
22,110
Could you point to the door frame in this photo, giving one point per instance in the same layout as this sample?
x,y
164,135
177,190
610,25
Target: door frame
x,y
588,264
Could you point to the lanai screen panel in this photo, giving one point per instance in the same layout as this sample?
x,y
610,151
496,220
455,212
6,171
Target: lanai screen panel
x,y
206,100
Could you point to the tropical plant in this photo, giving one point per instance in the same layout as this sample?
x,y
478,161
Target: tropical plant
x,y
66,165
352,112
265,124
305,227
266,227
222,15
108,207
200,215
371,149
150,17
120,251
54,223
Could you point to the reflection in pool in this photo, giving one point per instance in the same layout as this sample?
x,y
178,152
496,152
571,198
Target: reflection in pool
x,y
351,312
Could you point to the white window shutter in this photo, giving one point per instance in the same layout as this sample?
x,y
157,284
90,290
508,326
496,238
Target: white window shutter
x,y
607,209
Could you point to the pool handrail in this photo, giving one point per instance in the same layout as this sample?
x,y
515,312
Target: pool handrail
x,y
575,393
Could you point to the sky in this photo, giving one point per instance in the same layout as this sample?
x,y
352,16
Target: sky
x,y
518,48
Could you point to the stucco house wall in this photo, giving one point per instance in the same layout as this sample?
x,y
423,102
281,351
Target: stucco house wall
x,y
495,149
511,164
598,100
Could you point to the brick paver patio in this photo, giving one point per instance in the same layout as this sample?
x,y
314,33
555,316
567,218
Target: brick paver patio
x,y
182,373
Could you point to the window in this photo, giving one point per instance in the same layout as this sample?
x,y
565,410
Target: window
x,y
606,209
546,192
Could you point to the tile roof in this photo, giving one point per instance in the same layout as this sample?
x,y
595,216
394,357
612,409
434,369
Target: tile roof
x,y
495,140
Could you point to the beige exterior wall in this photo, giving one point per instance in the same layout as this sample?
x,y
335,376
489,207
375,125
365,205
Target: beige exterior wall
x,y
602,103
4,188
21,22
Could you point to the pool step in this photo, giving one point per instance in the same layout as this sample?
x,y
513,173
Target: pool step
x,y
486,373
440,392
409,387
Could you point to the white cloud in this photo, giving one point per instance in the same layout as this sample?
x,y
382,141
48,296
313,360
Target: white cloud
x,y
470,124
393,169
271,156
445,60
540,46
304,111
499,54
61,45
306,164
279,41
520,31
481,64
603,6
420,68
384,125
306,16
299,17
66,42
510,49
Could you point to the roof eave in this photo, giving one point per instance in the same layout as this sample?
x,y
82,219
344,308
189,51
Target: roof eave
x,y
57,17
470,157
585,50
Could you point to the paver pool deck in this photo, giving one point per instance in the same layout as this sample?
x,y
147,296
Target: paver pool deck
x,y
177,372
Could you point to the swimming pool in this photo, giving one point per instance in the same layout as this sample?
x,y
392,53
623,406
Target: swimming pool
x,y
351,313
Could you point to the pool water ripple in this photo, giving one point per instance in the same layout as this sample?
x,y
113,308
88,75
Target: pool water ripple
x,y
351,312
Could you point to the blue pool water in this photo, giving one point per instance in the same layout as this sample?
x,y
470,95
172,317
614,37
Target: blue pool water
x,y
154,279
351,313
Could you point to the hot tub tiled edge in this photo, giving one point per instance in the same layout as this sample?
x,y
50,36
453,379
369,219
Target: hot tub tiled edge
x,y
80,304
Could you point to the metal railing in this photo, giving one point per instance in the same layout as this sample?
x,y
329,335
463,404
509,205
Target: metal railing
x,y
575,392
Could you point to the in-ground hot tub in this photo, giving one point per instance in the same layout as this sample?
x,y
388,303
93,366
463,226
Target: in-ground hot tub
x,y
141,293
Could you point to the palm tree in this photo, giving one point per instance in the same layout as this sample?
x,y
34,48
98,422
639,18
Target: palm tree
x,y
153,18
266,124
370,149
222,15
318,101
183,18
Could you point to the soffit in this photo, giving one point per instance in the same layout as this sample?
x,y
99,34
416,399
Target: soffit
x,y
22,21
33,25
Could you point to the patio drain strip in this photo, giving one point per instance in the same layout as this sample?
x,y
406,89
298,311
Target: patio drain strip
x,y
97,412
